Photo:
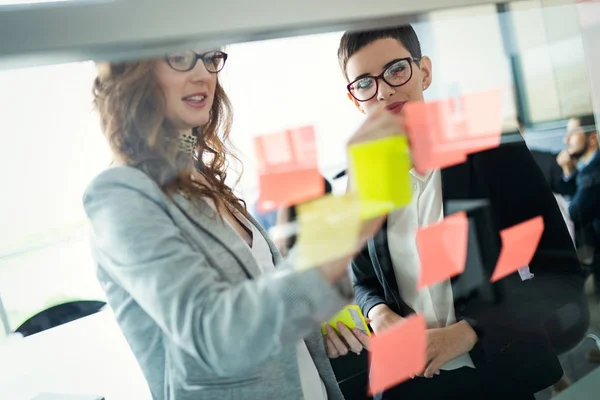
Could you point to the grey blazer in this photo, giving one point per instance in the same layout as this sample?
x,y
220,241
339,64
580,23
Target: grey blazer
x,y
187,293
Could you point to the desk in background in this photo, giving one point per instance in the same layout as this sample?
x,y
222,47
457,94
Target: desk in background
x,y
89,356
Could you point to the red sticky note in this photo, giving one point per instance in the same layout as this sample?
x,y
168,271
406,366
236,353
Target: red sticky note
x,y
443,249
519,243
288,172
397,354
442,134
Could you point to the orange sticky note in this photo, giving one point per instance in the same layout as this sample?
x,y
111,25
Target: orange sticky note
x,y
442,135
481,120
397,354
519,243
288,171
429,127
443,249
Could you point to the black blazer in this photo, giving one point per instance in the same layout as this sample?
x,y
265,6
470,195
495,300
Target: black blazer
x,y
549,167
512,345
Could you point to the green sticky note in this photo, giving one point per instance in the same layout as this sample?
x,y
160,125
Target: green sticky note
x,y
380,173
352,317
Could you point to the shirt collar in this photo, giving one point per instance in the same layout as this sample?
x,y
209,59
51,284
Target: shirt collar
x,y
422,177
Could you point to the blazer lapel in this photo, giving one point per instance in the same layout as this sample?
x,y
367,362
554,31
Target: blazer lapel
x,y
203,216
277,258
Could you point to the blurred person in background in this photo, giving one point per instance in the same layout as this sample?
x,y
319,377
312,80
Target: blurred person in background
x,y
580,165
206,302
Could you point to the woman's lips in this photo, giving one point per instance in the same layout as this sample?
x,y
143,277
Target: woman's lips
x,y
395,108
196,101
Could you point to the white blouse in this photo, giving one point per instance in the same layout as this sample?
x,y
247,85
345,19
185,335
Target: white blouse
x,y
435,302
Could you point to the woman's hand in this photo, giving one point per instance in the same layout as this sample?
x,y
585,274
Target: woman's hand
x,y
378,125
353,340
382,317
335,270
446,344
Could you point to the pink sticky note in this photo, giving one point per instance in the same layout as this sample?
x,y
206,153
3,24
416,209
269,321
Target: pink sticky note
x,y
441,135
519,243
288,172
289,188
429,127
397,354
481,119
443,249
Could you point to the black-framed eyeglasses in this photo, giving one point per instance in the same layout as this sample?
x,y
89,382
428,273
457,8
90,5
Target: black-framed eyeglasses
x,y
214,61
396,73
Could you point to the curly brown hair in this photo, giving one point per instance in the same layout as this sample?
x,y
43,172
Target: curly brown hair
x,y
131,105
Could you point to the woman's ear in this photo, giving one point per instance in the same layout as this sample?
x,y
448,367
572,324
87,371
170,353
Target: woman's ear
x,y
426,72
356,103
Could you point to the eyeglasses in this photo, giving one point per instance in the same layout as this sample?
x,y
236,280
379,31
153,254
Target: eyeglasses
x,y
214,61
397,73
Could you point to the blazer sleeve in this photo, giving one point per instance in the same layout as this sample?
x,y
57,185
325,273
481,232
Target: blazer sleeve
x,y
367,288
584,206
227,328
567,186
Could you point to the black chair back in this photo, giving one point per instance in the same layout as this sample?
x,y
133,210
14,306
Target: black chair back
x,y
58,315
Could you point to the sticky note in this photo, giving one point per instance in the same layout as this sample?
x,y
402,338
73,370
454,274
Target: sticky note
x,y
397,353
431,126
480,119
380,173
329,228
443,133
352,317
519,243
443,249
288,172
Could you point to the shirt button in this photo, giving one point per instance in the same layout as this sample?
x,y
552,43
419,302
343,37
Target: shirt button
x,y
415,187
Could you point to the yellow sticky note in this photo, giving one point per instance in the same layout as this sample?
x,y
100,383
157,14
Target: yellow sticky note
x,y
380,171
328,229
352,317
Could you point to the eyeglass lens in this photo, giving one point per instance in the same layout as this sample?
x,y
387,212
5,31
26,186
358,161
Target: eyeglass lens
x,y
186,60
395,75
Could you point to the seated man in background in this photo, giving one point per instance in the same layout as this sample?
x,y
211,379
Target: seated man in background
x,y
475,350
580,164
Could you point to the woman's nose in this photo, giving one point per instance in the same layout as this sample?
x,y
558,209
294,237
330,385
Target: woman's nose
x,y
384,90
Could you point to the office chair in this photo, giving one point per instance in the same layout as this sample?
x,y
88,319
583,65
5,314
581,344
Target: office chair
x,y
58,315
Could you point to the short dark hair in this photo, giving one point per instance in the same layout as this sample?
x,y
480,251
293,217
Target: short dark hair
x,y
588,122
353,41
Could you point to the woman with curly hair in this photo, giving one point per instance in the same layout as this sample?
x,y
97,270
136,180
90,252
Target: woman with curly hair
x,y
190,275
